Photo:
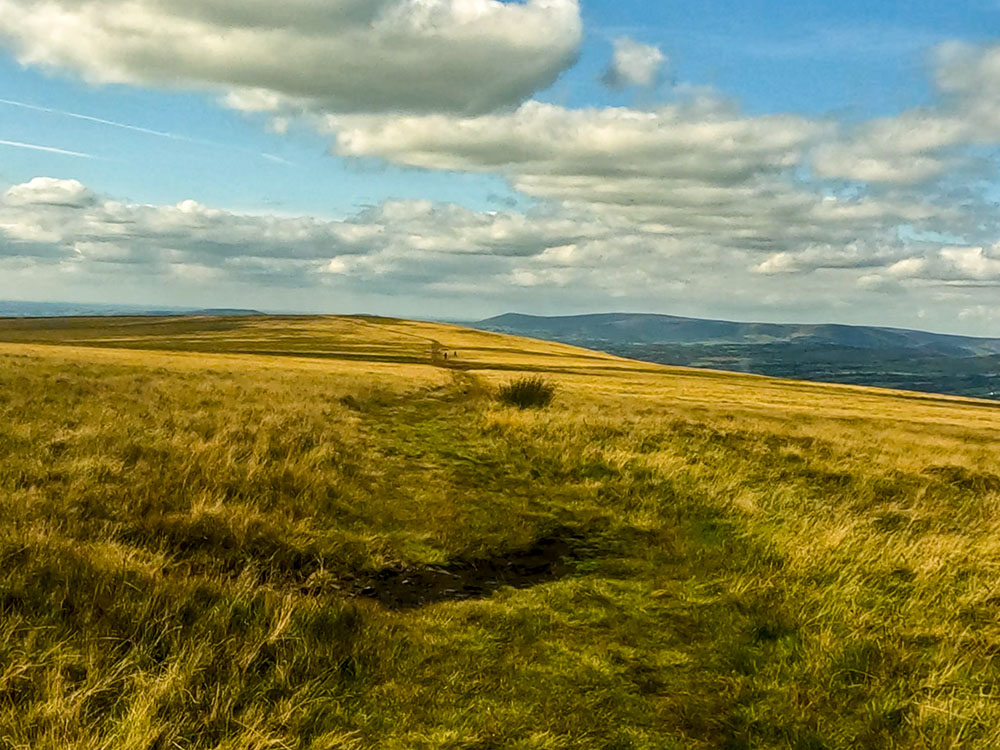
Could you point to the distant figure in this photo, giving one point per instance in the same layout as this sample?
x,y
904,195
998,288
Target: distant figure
x,y
446,356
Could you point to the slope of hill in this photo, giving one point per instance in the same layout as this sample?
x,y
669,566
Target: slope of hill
x,y
884,357
321,533
637,328
12,309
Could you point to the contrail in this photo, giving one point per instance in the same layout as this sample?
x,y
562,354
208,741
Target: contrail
x,y
47,149
277,159
137,129
100,121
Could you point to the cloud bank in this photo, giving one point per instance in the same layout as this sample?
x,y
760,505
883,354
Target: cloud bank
x,y
697,171
453,258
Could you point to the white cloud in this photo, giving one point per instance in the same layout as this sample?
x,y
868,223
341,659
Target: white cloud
x,y
46,191
951,265
700,140
908,267
857,255
909,148
634,64
968,71
467,56
971,263
923,144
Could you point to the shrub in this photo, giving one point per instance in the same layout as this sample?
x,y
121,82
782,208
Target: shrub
x,y
527,393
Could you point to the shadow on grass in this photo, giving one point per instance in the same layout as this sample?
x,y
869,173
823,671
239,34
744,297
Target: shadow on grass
x,y
549,558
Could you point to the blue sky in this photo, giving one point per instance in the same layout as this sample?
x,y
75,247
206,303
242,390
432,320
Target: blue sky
x,y
793,161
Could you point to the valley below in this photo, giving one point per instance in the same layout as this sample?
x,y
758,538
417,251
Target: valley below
x,y
857,355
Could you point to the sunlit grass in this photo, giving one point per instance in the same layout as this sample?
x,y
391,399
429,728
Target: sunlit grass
x,y
186,534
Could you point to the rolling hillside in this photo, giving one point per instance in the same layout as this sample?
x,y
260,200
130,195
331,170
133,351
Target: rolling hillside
x,y
15,309
882,357
636,328
258,532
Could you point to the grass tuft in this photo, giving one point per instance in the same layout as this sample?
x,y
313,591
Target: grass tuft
x,y
533,392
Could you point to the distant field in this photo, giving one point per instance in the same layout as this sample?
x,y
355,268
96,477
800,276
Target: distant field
x,y
305,532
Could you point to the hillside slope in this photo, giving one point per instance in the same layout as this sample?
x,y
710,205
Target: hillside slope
x,y
320,533
882,357
639,328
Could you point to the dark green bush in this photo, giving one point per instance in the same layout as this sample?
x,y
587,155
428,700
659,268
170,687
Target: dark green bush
x,y
527,393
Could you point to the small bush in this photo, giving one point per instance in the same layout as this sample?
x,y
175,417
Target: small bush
x,y
527,393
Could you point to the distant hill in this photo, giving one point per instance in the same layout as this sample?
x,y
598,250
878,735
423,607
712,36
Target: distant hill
x,y
862,355
637,328
13,309
221,311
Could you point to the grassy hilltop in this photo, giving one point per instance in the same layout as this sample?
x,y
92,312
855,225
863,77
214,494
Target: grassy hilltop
x,y
320,533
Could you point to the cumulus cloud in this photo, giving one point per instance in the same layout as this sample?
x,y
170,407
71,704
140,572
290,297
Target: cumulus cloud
x,y
424,247
907,149
634,64
858,255
953,264
701,139
46,191
968,71
919,145
466,56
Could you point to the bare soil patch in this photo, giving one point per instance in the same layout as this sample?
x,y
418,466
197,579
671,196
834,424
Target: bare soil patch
x,y
547,559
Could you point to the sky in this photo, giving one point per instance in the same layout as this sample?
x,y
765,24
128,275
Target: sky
x,y
456,159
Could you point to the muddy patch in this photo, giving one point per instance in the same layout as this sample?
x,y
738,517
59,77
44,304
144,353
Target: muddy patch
x,y
548,559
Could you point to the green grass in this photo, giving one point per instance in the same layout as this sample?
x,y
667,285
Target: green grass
x,y
185,539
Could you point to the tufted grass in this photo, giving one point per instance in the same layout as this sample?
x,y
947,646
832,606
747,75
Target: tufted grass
x,y
527,393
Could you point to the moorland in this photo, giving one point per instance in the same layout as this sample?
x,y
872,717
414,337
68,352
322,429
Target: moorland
x,y
320,532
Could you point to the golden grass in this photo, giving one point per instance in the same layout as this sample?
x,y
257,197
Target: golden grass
x,y
191,509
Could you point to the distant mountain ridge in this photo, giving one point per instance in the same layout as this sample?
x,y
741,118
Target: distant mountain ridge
x,y
9,309
636,329
862,355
